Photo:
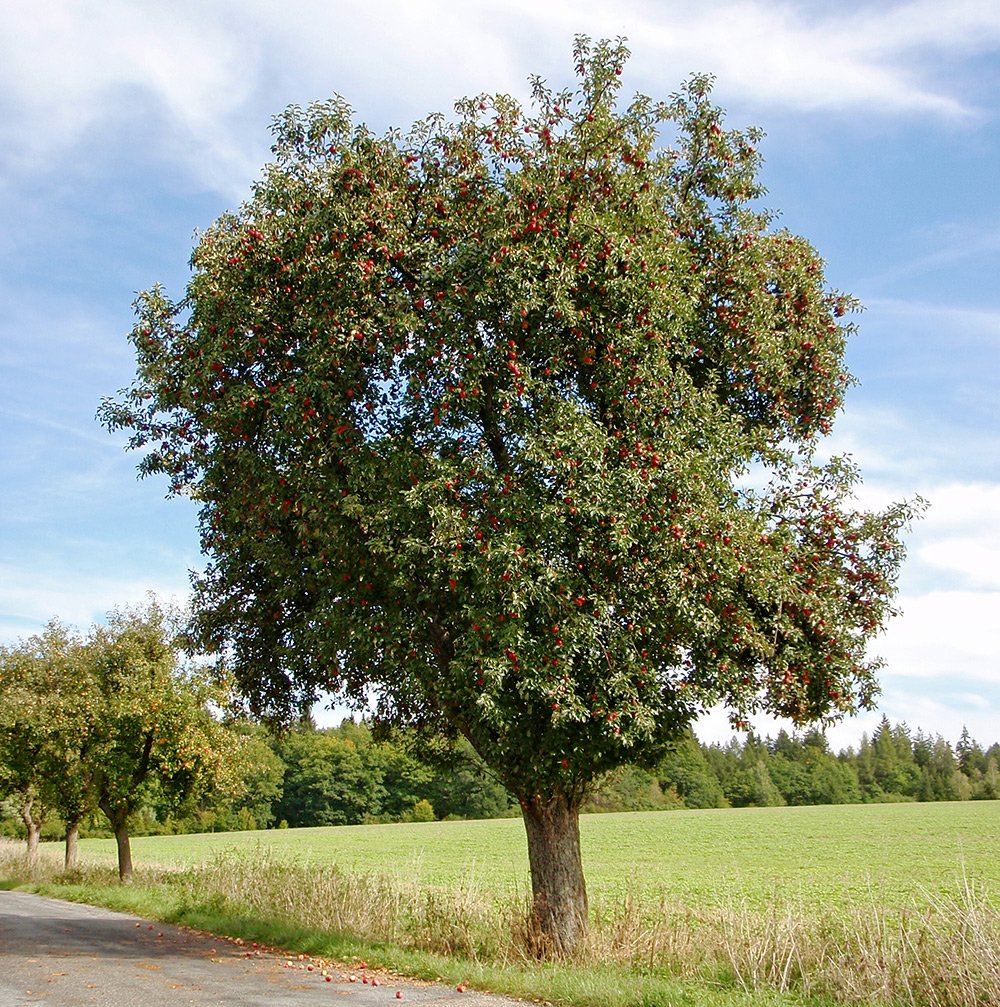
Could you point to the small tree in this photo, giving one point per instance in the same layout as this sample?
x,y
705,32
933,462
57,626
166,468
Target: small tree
x,y
508,428
20,744
45,717
92,722
152,722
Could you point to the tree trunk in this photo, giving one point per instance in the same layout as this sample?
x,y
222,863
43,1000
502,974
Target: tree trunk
x,y
72,836
118,818
33,824
559,894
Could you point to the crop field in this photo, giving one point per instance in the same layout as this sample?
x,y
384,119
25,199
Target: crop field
x,y
823,858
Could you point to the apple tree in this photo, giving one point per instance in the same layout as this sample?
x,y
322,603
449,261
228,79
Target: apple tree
x,y
152,726
45,716
506,427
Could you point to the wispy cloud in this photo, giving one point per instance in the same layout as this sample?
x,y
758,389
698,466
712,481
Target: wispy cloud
x,y
945,634
957,242
799,56
959,320
75,71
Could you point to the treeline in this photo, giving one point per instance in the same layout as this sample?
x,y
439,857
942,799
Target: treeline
x,y
342,776
893,764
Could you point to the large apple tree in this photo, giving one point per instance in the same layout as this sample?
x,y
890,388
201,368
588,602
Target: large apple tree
x,y
507,427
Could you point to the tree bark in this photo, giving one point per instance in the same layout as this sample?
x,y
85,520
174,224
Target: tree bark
x,y
124,853
33,825
72,837
559,893
118,818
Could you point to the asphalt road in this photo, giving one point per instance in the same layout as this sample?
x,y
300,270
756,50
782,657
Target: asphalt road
x,y
62,954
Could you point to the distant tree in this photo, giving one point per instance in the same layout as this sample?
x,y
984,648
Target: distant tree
x,y
752,787
326,781
422,811
252,787
751,784
687,771
830,780
397,764
628,788
469,414
791,777
787,745
988,788
970,755
467,789
865,765
894,769
724,761
923,749
20,773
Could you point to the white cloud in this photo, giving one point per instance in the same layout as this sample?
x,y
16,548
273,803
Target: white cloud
x,y
950,635
200,81
77,599
72,68
959,538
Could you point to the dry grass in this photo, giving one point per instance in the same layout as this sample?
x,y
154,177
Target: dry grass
x,y
944,952
14,860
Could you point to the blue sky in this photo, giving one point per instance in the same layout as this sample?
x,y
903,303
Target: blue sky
x,y
125,127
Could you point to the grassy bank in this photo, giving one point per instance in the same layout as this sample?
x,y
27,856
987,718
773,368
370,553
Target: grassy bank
x,y
923,932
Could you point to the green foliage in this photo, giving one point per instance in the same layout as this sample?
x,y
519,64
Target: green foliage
x,y
47,703
152,720
686,770
345,776
393,781
260,772
326,782
111,721
466,789
629,788
422,811
469,413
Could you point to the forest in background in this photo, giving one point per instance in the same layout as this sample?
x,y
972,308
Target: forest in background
x,y
311,776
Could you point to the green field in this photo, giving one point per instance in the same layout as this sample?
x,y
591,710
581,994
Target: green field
x,y
821,856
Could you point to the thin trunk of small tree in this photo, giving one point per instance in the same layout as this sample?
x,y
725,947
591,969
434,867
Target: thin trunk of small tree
x,y
33,825
118,818
124,853
72,839
559,893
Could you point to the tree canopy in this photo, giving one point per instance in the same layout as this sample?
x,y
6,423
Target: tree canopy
x,y
103,720
507,427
